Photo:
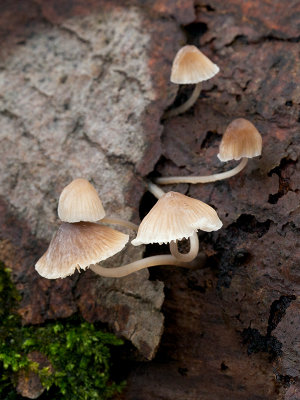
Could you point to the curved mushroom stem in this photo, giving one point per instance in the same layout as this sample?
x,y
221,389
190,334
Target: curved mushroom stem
x,y
185,106
168,180
191,255
155,190
147,262
119,221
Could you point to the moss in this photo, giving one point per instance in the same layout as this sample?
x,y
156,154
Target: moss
x,y
78,352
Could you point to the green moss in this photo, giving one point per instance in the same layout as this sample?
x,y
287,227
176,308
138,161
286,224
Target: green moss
x,y
79,353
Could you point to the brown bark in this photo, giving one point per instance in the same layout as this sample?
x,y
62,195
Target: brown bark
x,y
231,329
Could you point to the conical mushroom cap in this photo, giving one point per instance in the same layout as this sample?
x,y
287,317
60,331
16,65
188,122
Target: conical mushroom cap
x,y
79,201
174,217
190,65
241,139
77,246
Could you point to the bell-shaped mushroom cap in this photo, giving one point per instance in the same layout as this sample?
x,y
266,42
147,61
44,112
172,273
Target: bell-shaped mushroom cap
x,y
190,65
77,246
79,201
241,139
174,217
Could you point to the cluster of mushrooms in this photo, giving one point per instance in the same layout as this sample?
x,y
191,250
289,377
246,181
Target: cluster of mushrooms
x,y
84,239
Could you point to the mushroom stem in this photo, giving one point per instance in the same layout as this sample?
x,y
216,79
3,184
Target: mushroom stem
x,y
119,221
191,255
185,106
147,262
155,190
169,180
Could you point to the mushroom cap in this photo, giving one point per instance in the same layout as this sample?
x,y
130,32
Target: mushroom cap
x,y
190,65
241,139
174,217
79,201
77,246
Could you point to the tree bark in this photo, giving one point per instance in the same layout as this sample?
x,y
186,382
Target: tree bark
x,y
231,329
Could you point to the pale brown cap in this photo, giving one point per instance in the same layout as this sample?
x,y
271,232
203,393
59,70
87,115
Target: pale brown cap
x,y
190,65
241,139
79,245
174,217
79,201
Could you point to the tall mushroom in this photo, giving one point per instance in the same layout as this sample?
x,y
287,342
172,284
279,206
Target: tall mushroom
x,y
241,140
190,66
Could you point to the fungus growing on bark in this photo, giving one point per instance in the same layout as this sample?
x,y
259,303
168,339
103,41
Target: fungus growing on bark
x,y
79,201
79,245
190,66
241,140
175,217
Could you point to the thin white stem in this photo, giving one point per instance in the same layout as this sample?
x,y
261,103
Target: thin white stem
x,y
147,262
185,106
119,221
168,180
191,255
155,190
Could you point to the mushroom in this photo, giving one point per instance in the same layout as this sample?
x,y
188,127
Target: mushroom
x,y
174,217
79,245
190,66
193,240
241,140
79,201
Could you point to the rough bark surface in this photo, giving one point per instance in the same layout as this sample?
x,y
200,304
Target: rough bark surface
x,y
231,329
78,99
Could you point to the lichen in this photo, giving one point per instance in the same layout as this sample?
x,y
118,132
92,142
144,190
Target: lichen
x,y
79,353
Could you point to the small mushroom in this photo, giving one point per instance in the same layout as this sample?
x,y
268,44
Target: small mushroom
x,y
241,140
174,217
190,66
79,245
79,201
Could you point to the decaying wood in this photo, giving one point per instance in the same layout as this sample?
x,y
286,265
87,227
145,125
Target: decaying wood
x,y
232,328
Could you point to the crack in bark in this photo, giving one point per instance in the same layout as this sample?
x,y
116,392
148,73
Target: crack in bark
x,y
25,132
284,181
86,42
267,343
110,157
241,39
130,78
277,311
